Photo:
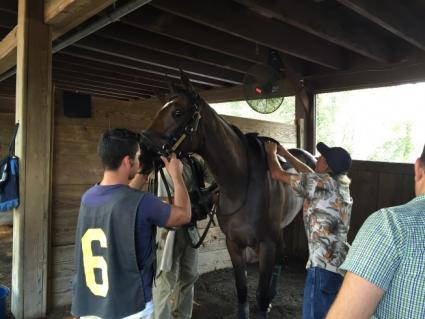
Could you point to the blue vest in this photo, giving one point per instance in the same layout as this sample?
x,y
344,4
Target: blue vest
x,y
108,282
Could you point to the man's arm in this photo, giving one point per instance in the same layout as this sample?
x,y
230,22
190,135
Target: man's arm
x,y
357,299
275,170
181,211
298,165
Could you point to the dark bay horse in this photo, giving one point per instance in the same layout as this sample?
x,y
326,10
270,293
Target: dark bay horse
x,y
252,208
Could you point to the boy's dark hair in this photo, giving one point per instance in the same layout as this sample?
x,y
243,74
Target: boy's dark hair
x,y
423,157
115,144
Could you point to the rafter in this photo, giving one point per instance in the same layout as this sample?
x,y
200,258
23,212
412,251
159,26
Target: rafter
x,y
160,43
394,16
174,27
323,23
226,16
135,66
131,52
62,15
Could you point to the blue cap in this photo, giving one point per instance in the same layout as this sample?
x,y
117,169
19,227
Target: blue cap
x,y
338,159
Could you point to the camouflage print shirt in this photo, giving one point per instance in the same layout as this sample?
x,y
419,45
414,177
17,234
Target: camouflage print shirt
x,y
326,214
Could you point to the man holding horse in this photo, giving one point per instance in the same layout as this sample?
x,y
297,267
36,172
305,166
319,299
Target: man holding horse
x,y
386,264
327,211
115,237
177,258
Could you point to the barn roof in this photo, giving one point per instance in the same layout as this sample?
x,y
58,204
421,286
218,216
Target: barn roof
x,y
325,45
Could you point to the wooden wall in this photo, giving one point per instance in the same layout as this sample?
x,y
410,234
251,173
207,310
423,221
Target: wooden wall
x,y
374,185
76,168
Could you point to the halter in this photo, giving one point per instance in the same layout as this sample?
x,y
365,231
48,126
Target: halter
x,y
185,130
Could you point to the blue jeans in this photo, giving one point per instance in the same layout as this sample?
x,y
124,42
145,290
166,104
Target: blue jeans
x,y
321,287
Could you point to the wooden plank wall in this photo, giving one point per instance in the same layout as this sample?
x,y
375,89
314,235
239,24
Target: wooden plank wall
x,y
374,185
76,168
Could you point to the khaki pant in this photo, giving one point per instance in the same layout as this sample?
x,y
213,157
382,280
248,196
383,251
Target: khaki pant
x,y
173,290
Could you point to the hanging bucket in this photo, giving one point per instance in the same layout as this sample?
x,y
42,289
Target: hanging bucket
x,y
4,293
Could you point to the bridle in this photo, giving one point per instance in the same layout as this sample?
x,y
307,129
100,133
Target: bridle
x,y
185,130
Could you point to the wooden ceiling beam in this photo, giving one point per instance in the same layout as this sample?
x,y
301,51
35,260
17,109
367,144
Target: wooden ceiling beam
x,y
124,74
394,16
138,67
101,93
77,85
98,85
166,61
62,15
8,20
366,77
146,39
175,27
226,16
8,51
122,79
321,22
10,6
95,79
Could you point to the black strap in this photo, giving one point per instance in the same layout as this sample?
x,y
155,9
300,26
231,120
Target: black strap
x,y
204,234
12,142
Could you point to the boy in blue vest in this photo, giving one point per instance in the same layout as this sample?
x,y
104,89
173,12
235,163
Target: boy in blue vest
x,y
115,237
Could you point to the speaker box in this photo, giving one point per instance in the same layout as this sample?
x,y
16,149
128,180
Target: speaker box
x,y
76,105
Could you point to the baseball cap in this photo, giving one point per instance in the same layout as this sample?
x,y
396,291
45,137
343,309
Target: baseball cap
x,y
338,159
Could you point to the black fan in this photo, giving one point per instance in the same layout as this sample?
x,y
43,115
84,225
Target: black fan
x,y
262,85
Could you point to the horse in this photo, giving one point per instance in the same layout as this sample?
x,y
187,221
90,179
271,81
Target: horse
x,y
252,207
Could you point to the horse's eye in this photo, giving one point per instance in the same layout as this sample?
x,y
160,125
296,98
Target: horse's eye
x,y
177,113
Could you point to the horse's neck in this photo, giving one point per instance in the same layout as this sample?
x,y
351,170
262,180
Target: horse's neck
x,y
225,153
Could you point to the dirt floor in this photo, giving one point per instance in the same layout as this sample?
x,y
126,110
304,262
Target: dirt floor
x,y
215,296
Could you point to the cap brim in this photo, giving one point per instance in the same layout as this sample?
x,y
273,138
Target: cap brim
x,y
322,148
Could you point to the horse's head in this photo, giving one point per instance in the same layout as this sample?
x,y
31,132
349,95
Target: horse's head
x,y
175,127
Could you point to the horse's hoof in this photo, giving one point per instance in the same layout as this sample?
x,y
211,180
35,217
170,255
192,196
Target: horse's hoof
x,y
243,311
262,315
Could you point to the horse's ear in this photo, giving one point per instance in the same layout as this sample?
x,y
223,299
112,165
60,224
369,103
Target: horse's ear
x,y
162,97
173,89
186,82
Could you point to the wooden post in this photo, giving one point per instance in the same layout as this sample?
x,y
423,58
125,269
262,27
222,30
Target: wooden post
x,y
33,146
305,122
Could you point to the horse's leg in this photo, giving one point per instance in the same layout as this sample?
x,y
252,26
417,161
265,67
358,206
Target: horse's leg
x,y
267,261
277,269
239,268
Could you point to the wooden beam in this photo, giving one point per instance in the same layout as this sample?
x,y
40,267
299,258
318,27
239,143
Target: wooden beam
x,y
172,26
166,61
93,91
109,71
395,16
296,81
34,112
7,20
160,43
226,16
62,15
305,122
367,77
100,76
113,87
8,51
330,26
136,66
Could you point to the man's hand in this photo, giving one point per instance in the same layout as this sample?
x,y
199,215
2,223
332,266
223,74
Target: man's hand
x,y
271,148
173,166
